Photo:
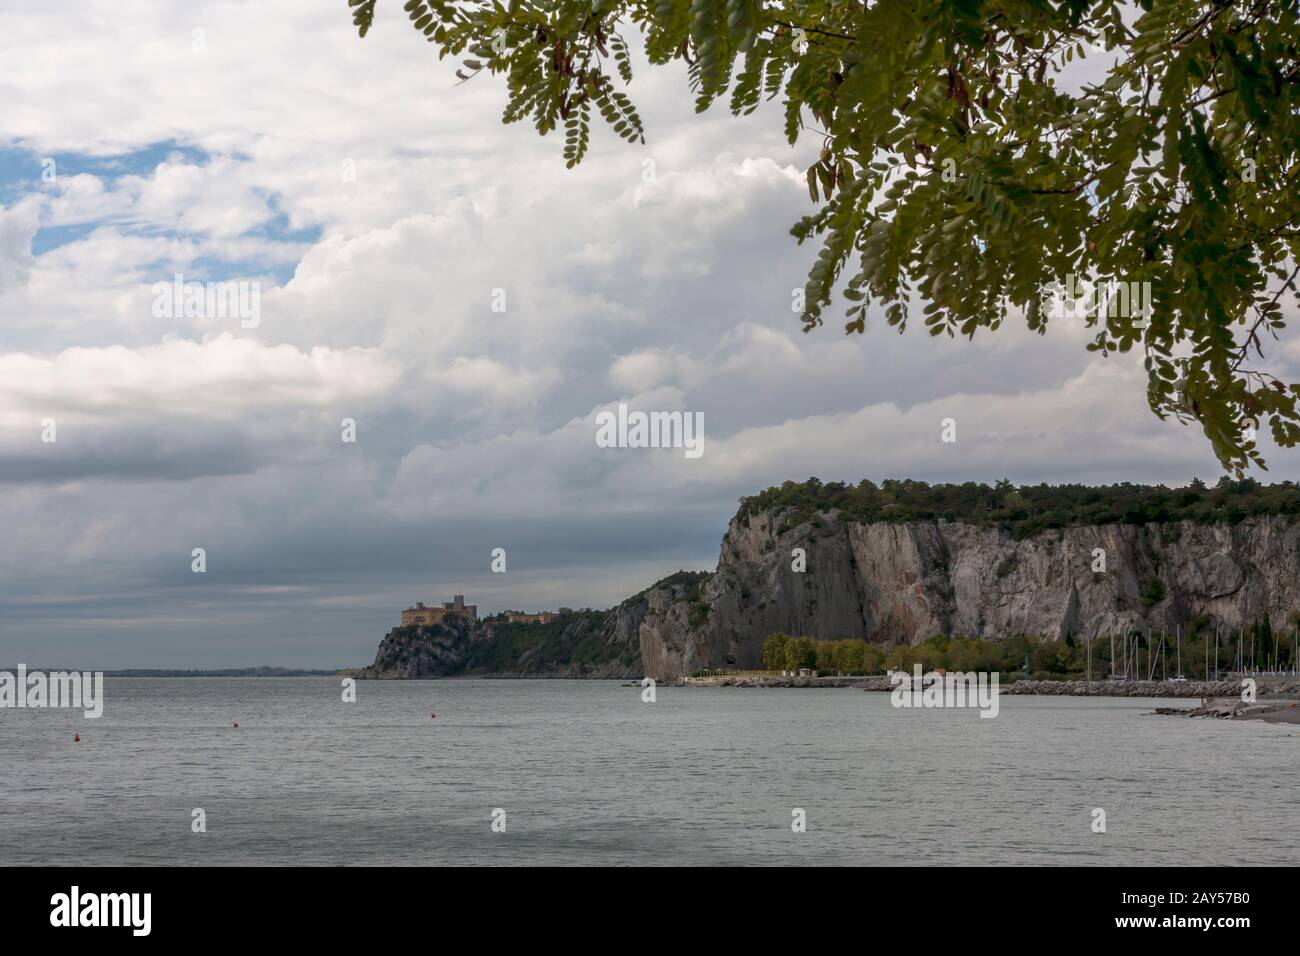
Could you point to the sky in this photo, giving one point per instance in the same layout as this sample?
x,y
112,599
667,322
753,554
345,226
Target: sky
x,y
442,281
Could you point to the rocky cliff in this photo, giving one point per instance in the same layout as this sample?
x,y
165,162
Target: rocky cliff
x,y
888,581
906,581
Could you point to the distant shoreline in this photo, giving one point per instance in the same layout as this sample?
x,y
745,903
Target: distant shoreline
x,y
1272,686
179,672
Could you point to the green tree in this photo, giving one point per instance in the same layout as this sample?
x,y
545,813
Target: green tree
x,y
800,652
848,656
952,165
774,652
825,655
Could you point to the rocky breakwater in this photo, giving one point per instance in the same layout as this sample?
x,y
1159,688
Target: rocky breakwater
x,y
1234,708
774,680
1264,687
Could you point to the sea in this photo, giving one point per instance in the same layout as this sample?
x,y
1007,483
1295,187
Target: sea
x,y
571,772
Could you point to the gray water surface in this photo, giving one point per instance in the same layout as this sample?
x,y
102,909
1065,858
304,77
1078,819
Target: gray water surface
x,y
588,774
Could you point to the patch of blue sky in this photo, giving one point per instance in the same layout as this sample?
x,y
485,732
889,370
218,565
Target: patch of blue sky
x,y
21,167
21,172
51,237
209,268
217,269
277,229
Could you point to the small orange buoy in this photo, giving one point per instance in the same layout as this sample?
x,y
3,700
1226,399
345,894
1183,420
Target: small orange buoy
x,y
76,738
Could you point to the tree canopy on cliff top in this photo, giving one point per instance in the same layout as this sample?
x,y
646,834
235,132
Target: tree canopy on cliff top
x,y
1026,509
954,171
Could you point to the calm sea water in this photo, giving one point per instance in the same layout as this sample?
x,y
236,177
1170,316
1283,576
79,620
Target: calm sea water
x,y
587,773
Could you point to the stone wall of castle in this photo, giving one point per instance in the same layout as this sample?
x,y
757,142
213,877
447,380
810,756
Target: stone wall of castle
x,y
421,615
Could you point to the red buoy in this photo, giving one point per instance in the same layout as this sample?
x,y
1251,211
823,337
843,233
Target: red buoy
x,y
76,738
433,716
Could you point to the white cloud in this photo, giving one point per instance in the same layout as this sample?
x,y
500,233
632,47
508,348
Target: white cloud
x,y
18,225
646,369
225,375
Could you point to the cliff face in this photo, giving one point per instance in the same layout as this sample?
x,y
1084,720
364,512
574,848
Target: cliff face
x,y
887,582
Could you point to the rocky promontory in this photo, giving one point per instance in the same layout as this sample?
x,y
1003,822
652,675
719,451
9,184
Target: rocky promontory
x,y
905,562
579,644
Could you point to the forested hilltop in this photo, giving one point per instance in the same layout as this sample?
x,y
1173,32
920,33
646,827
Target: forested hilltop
x,y
1026,509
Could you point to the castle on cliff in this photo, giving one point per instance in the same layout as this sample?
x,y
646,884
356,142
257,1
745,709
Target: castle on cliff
x,y
421,615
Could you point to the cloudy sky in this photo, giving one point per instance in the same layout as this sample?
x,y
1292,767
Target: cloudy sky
x,y
475,427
